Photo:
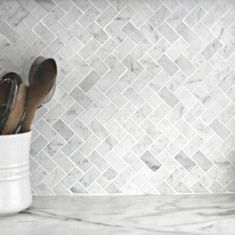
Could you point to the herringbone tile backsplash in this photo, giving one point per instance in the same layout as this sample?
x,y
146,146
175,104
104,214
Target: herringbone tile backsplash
x,y
145,93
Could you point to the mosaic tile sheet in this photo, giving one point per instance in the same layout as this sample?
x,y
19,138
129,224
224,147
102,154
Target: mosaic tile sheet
x,y
145,94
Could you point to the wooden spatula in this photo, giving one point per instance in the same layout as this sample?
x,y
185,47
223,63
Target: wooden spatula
x,y
40,86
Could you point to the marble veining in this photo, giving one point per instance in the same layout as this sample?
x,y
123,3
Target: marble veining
x,y
135,215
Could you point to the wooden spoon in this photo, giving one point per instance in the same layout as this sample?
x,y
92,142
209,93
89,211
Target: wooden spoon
x,y
39,87
32,72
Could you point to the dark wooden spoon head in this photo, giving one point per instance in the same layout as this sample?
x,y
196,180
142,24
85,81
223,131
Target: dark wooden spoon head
x,y
44,78
41,81
42,69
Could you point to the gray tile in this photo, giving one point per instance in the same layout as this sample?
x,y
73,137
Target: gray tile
x,y
202,161
80,97
89,81
185,161
150,161
168,97
211,49
63,129
219,129
185,64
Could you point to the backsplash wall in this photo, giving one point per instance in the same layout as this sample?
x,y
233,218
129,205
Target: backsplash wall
x,y
145,96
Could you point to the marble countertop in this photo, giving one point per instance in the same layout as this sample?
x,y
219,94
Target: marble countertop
x,y
132,215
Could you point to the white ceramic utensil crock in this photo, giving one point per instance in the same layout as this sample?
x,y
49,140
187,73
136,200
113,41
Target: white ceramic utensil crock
x,y
15,189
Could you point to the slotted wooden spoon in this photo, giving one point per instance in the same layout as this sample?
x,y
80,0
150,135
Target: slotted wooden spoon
x,y
18,107
8,90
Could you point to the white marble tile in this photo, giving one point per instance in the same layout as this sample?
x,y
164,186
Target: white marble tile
x,y
141,146
160,15
89,145
54,145
168,32
107,15
133,65
91,14
168,65
132,32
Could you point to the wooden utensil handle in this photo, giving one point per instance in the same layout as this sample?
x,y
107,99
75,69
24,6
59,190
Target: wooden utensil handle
x,y
28,119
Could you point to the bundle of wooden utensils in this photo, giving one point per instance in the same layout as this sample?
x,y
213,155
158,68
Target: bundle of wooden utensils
x,y
19,102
